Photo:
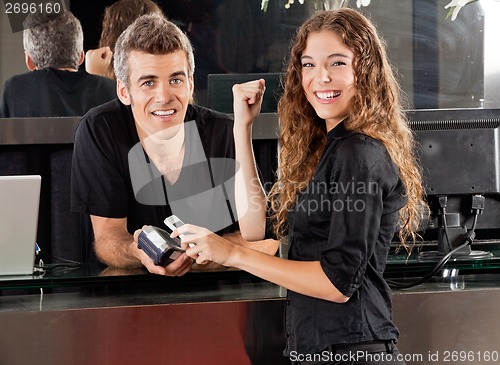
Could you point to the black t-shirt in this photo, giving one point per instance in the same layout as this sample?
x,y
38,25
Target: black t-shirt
x,y
50,92
345,218
113,177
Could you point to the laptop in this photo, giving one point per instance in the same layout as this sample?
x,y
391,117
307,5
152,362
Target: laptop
x,y
19,207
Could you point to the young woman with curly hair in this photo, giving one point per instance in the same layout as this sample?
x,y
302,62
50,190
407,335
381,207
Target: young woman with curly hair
x,y
348,180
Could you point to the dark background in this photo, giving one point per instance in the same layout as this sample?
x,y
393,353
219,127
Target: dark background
x,y
228,36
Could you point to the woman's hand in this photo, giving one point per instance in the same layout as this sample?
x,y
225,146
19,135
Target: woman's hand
x,y
98,61
203,245
247,100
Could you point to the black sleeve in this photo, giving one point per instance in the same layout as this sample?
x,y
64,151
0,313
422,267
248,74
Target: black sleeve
x,y
361,176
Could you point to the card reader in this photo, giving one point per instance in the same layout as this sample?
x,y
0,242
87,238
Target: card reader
x,y
159,246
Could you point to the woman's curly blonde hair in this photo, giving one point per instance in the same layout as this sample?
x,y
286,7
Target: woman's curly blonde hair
x,y
375,110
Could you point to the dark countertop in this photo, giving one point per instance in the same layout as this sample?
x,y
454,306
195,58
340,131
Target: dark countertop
x,y
130,291
88,286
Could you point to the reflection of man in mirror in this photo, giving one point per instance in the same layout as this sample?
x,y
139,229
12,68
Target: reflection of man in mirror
x,y
151,153
54,87
53,47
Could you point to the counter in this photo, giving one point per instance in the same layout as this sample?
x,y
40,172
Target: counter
x,y
221,318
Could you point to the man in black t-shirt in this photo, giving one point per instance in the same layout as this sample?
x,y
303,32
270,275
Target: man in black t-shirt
x,y
152,153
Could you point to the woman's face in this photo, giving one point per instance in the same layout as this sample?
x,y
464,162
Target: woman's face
x,y
328,76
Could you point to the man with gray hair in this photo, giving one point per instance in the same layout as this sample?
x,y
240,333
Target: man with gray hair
x,y
53,47
153,153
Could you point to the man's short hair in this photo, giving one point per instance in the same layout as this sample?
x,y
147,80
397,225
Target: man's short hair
x,y
53,40
153,34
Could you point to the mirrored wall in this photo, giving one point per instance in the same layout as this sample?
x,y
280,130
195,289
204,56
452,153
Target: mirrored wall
x,y
441,63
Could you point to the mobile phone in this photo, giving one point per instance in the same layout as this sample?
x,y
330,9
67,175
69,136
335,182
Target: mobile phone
x,y
159,246
174,222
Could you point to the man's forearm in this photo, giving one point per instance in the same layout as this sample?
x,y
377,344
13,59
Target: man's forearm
x,y
115,248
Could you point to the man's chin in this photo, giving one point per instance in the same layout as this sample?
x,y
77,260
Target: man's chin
x,y
166,133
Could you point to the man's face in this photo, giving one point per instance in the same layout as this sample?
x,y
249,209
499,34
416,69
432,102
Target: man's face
x,y
159,92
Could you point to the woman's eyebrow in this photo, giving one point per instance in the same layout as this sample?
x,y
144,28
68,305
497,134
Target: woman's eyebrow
x,y
329,56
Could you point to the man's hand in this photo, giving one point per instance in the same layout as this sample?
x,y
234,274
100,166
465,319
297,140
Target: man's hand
x,y
179,267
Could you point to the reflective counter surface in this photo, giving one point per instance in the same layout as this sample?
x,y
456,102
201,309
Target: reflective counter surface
x,y
93,285
399,265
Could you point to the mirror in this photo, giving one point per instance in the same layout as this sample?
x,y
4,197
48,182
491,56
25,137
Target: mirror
x,y
441,63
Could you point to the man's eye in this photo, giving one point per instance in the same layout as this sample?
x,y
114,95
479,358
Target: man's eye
x,y
176,81
147,83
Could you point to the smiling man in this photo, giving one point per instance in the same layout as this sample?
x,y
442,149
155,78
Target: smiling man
x,y
152,153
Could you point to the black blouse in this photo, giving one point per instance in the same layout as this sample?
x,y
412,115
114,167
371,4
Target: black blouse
x,y
345,218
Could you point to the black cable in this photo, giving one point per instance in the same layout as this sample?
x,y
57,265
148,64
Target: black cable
x,y
55,266
67,261
439,265
469,238
442,203
57,269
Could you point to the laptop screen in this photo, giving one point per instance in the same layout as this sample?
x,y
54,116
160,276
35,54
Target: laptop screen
x,y
19,207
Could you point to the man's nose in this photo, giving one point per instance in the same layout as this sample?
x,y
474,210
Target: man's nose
x,y
164,93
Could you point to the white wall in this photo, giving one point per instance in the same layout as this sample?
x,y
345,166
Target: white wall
x,y
11,50
492,54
